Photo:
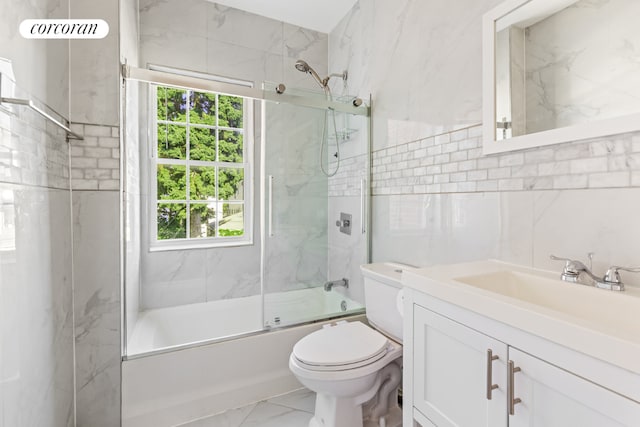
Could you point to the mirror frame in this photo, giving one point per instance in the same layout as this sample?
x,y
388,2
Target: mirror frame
x,y
593,129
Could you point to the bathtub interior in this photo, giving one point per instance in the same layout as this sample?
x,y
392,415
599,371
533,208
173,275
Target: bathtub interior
x,y
203,323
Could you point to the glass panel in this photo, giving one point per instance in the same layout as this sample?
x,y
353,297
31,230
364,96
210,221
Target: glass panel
x,y
231,184
172,183
172,104
172,221
202,220
202,144
172,141
232,221
230,111
202,108
231,146
296,252
202,183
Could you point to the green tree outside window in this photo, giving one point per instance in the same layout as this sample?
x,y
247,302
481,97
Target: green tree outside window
x,y
200,164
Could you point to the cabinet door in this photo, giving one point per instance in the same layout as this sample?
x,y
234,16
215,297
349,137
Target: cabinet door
x,y
452,372
552,397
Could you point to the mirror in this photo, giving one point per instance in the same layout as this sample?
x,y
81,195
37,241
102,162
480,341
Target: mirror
x,y
558,71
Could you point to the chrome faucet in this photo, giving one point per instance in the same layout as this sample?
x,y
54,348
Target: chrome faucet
x,y
342,282
573,272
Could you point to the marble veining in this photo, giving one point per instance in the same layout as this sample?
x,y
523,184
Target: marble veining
x,y
36,369
586,72
256,49
97,307
294,409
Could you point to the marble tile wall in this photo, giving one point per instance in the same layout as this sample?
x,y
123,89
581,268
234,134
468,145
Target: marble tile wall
x,y
96,245
589,70
243,46
453,163
435,198
41,67
95,160
36,290
94,110
94,67
229,42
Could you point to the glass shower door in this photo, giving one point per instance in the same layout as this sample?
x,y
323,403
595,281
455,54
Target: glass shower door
x,y
295,242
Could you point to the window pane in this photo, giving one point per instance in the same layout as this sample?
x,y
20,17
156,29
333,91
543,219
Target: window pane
x,y
172,221
230,111
231,184
202,144
172,183
172,104
202,183
231,146
172,141
232,222
203,220
202,108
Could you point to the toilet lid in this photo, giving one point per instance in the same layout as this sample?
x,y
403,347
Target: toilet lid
x,y
343,344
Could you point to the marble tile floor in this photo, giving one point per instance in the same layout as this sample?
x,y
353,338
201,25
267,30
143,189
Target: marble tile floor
x,y
293,409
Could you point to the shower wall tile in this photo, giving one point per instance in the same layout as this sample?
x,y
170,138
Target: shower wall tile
x,y
244,46
97,306
172,278
94,67
235,26
95,160
41,68
173,33
224,279
36,313
238,44
347,252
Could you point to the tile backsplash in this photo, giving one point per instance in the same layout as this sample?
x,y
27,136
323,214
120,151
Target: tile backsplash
x,y
95,161
453,163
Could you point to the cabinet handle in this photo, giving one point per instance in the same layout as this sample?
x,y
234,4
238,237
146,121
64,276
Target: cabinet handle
x,y
513,401
490,385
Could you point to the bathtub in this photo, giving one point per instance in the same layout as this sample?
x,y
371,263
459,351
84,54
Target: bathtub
x,y
173,327
201,359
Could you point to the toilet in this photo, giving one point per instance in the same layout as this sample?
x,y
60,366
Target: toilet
x,y
355,369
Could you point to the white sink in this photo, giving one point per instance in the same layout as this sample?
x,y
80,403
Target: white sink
x,y
619,311
604,324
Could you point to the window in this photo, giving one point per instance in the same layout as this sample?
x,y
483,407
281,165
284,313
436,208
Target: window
x,y
201,168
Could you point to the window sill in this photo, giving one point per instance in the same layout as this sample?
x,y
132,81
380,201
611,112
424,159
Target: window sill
x,y
182,246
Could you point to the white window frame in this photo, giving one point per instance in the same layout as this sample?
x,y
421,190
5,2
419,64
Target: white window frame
x,y
247,164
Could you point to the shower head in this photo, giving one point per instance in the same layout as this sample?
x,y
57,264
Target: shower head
x,y
302,66
306,68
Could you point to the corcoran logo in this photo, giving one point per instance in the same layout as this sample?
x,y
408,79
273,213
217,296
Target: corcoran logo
x,y
64,28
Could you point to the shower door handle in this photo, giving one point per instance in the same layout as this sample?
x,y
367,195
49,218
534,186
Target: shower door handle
x,y
363,204
270,208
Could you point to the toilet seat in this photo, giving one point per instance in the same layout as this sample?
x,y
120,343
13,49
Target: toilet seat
x,y
345,346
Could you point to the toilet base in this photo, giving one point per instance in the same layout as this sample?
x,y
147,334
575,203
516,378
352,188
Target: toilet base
x,y
336,412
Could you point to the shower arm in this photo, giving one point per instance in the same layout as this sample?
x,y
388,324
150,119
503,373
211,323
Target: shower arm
x,y
342,75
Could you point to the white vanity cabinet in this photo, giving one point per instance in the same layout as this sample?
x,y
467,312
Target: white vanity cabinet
x,y
553,397
455,369
448,371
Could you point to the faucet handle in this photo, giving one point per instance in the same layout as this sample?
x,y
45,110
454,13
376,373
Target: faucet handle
x,y
569,266
612,275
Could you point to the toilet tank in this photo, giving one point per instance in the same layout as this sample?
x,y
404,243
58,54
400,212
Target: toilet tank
x,y
382,297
